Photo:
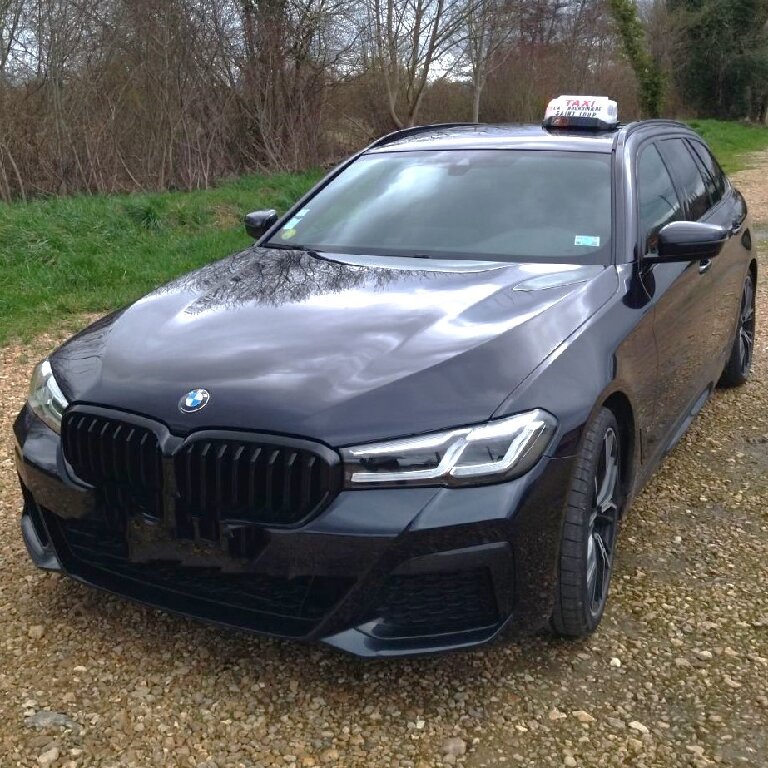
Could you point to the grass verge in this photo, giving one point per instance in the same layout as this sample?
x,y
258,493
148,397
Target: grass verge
x,y
732,143
75,255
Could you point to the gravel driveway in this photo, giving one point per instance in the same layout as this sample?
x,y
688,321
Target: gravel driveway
x,y
676,676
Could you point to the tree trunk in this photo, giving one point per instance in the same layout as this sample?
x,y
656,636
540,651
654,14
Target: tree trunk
x,y
477,89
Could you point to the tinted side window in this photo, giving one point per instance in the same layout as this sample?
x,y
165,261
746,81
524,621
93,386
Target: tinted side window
x,y
713,169
659,203
689,177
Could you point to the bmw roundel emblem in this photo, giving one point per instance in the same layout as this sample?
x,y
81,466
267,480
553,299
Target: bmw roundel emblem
x,y
195,400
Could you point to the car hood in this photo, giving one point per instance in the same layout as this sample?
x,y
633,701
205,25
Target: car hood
x,y
337,348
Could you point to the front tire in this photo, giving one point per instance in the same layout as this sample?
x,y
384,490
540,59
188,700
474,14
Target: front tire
x,y
739,363
590,530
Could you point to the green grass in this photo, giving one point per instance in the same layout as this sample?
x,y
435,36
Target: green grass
x,y
64,257
732,142
68,256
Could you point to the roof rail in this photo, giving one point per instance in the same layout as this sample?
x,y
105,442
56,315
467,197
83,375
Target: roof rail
x,y
638,125
412,131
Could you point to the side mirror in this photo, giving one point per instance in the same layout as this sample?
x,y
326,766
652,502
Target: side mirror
x,y
688,241
258,222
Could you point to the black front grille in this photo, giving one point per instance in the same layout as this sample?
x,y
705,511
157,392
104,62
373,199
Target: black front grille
x,y
121,460
96,551
180,523
250,481
215,477
426,604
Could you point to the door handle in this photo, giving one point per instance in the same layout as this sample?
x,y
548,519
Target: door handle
x,y
736,225
704,266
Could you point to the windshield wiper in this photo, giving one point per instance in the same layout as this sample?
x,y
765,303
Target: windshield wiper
x,y
301,248
287,247
318,254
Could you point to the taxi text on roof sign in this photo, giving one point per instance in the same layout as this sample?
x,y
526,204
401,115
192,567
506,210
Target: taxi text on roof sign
x,y
595,112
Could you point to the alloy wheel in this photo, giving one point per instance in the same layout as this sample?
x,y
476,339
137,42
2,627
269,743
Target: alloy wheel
x,y
603,522
747,326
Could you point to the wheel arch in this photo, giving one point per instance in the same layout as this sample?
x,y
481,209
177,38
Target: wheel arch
x,y
621,406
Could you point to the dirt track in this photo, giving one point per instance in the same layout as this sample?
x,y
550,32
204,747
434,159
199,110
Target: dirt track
x,y
677,675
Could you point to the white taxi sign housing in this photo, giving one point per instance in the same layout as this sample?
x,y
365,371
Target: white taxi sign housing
x,y
595,112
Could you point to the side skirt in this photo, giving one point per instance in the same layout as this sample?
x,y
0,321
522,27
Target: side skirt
x,y
675,435
682,428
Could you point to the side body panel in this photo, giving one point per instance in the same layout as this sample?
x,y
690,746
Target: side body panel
x,y
682,329
660,343
695,308
728,271
614,353
720,280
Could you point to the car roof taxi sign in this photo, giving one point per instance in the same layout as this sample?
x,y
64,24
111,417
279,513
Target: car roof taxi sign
x,y
585,112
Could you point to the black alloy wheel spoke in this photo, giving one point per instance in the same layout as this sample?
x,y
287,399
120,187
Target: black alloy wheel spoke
x,y
603,521
605,501
747,326
604,566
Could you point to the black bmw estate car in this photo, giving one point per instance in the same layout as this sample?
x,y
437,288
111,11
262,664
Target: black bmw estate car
x,y
412,416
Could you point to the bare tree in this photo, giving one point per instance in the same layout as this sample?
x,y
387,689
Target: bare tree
x,y
290,57
10,24
489,27
115,95
409,38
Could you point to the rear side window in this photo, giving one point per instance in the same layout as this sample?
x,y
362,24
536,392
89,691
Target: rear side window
x,y
658,200
689,177
718,183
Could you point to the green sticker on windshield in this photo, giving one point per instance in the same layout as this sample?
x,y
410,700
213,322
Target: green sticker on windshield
x,y
593,241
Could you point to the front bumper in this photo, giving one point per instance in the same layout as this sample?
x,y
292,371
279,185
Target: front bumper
x,y
378,573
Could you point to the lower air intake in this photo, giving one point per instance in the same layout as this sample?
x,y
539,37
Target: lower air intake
x,y
421,605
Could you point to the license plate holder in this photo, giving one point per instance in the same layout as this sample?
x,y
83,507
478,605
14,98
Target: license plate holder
x,y
149,541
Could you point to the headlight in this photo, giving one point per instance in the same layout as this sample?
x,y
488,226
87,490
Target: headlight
x,y
45,397
491,452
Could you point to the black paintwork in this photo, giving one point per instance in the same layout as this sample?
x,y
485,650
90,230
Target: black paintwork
x,y
344,349
689,241
258,222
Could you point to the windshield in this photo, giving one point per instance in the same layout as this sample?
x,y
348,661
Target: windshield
x,y
508,205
